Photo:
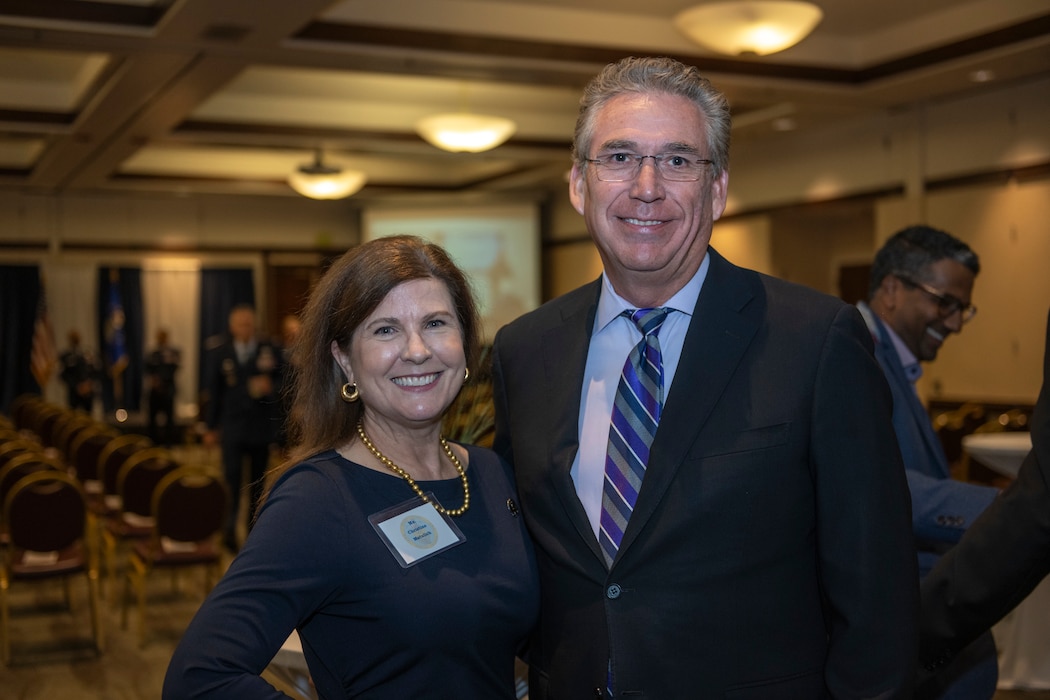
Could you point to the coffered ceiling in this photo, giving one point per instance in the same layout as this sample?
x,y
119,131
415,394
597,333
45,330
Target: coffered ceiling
x,y
229,96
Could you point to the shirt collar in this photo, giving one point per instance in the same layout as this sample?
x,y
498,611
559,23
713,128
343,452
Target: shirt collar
x,y
611,304
910,363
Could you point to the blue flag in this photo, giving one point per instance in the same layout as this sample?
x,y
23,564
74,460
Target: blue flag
x,y
116,342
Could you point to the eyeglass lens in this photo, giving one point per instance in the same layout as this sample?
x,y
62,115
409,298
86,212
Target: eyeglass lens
x,y
619,167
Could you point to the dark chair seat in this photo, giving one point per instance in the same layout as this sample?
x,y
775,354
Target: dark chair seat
x,y
189,506
45,518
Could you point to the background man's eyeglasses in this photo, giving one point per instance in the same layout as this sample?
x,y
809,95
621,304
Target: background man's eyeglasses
x,y
946,303
620,167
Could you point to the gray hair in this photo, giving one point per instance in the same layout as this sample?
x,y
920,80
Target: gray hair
x,y
655,75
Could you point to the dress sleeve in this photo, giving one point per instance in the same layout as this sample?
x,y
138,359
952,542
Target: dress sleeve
x,y
289,566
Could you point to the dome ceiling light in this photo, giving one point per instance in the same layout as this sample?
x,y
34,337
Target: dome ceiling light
x,y
761,27
320,181
465,132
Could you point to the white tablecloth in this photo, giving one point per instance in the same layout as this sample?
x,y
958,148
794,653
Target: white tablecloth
x,y
1002,452
1023,636
1023,640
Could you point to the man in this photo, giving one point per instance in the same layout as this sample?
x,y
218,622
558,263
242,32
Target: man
x,y
162,364
291,327
767,552
80,371
921,286
999,560
243,411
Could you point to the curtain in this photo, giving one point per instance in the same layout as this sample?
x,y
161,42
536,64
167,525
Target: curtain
x,y
19,296
171,302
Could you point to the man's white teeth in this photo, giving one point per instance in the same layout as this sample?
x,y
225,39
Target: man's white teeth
x,y
935,334
644,222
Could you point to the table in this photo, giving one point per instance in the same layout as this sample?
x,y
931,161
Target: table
x,y
1023,636
1001,452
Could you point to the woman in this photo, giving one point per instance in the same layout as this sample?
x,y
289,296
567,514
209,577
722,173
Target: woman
x,y
401,559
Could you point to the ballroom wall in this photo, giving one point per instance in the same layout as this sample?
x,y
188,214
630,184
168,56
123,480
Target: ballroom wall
x,y
801,206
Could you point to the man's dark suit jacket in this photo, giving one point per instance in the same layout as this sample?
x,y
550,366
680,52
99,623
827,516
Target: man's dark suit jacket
x,y
769,554
244,419
1000,559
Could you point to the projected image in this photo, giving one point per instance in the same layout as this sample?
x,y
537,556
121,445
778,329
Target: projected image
x,y
497,247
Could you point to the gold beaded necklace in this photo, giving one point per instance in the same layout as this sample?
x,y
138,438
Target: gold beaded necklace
x,y
412,482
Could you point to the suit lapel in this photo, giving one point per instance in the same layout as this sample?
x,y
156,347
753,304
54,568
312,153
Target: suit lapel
x,y
888,357
565,348
724,322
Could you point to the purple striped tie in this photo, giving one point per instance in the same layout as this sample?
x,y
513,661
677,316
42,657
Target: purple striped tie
x,y
635,415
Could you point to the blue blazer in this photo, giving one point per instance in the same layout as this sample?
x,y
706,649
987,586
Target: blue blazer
x,y
942,508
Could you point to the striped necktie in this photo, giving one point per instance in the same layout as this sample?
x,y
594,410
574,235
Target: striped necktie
x,y
635,415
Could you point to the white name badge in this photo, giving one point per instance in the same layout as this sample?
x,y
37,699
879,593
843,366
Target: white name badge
x,y
415,530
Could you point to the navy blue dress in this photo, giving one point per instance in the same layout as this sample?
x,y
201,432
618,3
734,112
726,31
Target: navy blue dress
x,y
449,626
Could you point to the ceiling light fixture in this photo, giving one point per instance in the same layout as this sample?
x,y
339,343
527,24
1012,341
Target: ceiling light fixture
x,y
759,27
320,181
465,132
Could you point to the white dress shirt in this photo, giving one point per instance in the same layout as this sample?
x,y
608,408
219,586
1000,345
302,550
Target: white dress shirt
x,y
612,339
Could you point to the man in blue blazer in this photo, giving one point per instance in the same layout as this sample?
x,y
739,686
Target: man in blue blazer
x,y
921,286
768,554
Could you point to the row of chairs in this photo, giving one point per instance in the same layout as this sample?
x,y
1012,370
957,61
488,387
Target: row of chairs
x,y
43,526
169,515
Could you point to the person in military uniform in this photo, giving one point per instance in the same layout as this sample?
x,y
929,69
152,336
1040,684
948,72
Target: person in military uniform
x,y
243,411
80,372
162,364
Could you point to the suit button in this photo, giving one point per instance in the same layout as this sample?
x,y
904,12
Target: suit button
x,y
599,693
613,591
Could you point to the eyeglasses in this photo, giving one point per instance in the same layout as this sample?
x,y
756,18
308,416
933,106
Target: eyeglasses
x,y
946,303
621,167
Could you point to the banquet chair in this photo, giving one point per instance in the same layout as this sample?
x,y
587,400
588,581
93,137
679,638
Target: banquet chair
x,y
45,516
78,422
133,519
111,459
20,408
189,506
21,465
84,450
49,422
16,446
24,464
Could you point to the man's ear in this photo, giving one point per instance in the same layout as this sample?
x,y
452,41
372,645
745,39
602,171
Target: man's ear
x,y
577,187
719,192
886,294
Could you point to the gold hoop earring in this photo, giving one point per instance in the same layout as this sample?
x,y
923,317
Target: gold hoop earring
x,y
466,374
349,392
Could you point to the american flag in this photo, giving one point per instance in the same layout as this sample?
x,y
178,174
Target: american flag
x,y
43,357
